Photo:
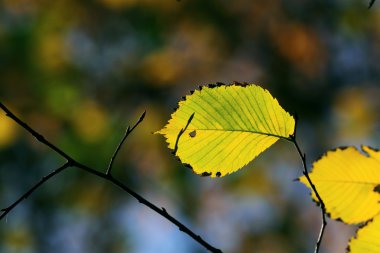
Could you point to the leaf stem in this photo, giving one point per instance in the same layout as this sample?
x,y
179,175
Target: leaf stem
x,y
107,176
306,174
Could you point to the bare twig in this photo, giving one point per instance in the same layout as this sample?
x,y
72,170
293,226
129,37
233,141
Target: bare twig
x,y
181,132
127,132
306,174
371,3
162,211
38,136
107,176
6,210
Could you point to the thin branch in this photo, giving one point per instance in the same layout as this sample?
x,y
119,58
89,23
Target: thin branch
x,y
371,3
162,211
306,174
181,132
127,132
107,176
38,136
6,210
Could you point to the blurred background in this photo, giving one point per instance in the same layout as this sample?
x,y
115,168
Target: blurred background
x,y
79,72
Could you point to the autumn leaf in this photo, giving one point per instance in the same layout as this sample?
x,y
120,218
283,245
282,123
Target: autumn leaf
x,y
367,239
232,124
348,181
345,179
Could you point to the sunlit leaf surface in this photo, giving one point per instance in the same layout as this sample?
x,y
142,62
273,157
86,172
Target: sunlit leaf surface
x,y
232,124
346,180
367,239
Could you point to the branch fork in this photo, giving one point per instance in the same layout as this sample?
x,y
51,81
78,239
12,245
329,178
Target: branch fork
x,y
70,163
292,138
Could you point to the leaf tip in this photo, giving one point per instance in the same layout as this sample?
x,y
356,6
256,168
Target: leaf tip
x,y
159,131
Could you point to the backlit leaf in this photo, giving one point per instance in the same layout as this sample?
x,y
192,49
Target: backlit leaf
x,y
346,180
232,124
367,239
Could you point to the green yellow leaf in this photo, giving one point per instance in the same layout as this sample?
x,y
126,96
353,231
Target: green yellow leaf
x,y
346,180
232,124
367,239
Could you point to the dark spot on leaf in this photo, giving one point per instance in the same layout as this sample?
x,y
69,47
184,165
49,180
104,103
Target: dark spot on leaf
x,y
377,188
220,84
188,165
192,134
211,85
241,84
218,174
191,92
206,174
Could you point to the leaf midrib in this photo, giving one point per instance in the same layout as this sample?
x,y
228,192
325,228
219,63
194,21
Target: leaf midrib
x,y
239,130
344,182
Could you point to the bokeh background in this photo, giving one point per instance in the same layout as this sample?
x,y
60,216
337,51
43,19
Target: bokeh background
x,y
80,71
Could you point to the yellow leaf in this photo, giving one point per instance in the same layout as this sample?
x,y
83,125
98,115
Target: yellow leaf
x,y
232,124
367,239
346,180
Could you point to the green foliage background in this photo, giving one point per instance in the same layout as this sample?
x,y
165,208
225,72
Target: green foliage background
x,y
80,71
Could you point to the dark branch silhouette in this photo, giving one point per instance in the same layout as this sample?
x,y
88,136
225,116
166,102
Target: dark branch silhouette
x,y
107,176
306,174
181,132
38,136
371,3
127,132
6,210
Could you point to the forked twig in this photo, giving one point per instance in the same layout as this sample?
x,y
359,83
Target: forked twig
x,y
306,174
127,132
107,176
6,210
371,3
